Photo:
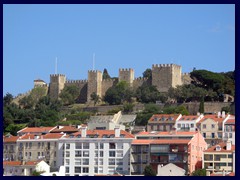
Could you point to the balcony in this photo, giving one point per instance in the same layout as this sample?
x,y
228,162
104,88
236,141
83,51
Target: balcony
x,y
184,129
229,160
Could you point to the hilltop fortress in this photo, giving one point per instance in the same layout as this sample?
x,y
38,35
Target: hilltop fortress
x,y
164,76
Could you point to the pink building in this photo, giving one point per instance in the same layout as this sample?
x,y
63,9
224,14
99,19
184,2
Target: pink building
x,y
182,150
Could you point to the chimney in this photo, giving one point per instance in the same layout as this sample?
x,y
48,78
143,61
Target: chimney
x,y
208,173
229,145
219,114
83,131
117,131
223,114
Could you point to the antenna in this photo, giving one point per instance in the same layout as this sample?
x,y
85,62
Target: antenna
x,y
56,66
93,60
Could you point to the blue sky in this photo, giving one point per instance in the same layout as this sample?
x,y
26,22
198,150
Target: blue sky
x,y
121,36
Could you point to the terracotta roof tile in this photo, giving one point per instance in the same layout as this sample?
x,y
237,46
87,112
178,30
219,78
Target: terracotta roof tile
x,y
167,133
230,121
64,129
188,118
223,148
160,141
46,136
10,139
19,163
35,130
100,133
163,117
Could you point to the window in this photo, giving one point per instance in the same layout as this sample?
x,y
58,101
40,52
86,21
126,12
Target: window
x,y
187,125
101,153
54,163
230,135
77,169
67,162
213,126
111,161
204,135
111,153
179,125
192,125
39,154
39,144
42,144
122,135
85,169
67,146
67,154
100,162
55,144
101,145
42,154
55,154
78,146
25,153
77,161
119,162
204,126
112,146
67,169
213,135
30,145
85,162
26,145
95,170
78,153
85,145
85,153
96,145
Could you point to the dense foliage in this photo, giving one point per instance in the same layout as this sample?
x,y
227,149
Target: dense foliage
x,y
149,171
199,172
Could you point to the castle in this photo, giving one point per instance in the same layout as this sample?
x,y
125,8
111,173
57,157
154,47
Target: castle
x,y
164,76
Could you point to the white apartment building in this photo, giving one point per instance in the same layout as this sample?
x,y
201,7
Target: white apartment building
x,y
228,128
95,152
188,123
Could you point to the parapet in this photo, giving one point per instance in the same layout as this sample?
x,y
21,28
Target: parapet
x,y
125,69
185,74
141,79
108,80
76,81
94,71
56,75
164,65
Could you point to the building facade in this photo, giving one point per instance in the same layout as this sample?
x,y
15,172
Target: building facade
x,y
94,152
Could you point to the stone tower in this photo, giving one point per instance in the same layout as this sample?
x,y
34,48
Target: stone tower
x,y
94,83
126,75
57,82
165,76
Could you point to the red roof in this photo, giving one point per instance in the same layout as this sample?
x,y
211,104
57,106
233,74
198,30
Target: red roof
x,y
173,133
19,163
100,133
64,129
188,118
36,130
230,121
46,136
223,148
10,139
221,174
213,117
160,141
163,118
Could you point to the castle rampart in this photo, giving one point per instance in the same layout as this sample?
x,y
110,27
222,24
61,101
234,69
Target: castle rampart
x,y
164,76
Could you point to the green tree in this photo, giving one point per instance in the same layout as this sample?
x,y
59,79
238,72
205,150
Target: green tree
x,y
14,128
69,94
149,94
147,74
95,98
105,74
128,107
148,171
181,110
7,99
199,172
37,93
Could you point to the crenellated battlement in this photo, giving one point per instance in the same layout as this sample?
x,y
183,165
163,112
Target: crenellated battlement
x,y
185,74
125,69
76,81
165,65
109,80
141,79
57,75
94,71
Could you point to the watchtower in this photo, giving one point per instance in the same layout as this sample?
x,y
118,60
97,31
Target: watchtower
x,y
126,75
57,82
165,76
94,83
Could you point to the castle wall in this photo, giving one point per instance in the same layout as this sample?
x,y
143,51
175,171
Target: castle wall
x,y
176,75
82,85
106,84
94,83
139,82
57,82
126,75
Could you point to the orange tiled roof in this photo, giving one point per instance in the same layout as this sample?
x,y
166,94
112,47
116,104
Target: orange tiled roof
x,y
223,148
221,174
188,118
160,141
46,136
230,121
100,133
35,129
166,117
167,133
64,129
213,117
10,139
19,163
